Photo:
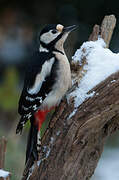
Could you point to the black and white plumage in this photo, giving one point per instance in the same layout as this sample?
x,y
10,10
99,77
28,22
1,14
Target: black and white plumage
x,y
46,81
35,92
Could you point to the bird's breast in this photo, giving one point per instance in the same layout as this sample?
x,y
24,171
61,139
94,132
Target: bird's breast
x,y
62,82
63,73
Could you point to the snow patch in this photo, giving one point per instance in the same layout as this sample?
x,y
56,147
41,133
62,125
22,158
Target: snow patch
x,y
51,140
46,150
101,63
38,163
30,173
32,169
58,132
113,81
4,174
72,114
107,168
48,153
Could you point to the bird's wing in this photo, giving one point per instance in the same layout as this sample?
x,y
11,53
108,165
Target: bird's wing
x,y
33,92
38,83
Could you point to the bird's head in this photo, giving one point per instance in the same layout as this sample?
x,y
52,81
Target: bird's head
x,y
52,37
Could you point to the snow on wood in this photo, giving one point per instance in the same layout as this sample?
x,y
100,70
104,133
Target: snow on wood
x,y
4,174
101,63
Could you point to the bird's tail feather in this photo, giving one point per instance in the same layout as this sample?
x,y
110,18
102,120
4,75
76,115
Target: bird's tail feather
x,y
21,124
31,150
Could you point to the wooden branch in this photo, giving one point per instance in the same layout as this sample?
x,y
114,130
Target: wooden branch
x,y
95,33
3,143
74,144
77,70
105,32
107,28
7,178
78,141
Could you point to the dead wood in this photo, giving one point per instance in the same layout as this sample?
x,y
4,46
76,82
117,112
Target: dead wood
x,y
74,145
3,143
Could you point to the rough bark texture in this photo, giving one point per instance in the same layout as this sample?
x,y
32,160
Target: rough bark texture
x,y
107,28
74,145
7,178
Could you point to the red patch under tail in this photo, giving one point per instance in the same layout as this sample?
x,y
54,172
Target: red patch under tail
x,y
40,117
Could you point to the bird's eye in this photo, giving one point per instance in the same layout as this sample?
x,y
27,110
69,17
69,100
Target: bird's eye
x,y
54,31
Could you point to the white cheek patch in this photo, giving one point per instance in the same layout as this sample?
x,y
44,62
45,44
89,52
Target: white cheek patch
x,y
49,36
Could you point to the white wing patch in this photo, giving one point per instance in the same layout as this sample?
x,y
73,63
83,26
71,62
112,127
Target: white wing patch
x,y
25,108
46,69
40,99
29,98
38,141
35,107
28,115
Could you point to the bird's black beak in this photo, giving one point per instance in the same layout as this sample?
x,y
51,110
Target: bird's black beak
x,y
70,28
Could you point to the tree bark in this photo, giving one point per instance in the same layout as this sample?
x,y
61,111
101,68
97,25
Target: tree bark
x,y
73,145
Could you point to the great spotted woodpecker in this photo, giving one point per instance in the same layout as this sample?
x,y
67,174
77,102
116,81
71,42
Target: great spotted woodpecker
x,y
46,82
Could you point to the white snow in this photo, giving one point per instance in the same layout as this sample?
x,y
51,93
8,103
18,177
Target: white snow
x,y
32,169
72,114
58,132
51,140
38,163
101,63
29,175
113,81
3,173
48,152
107,168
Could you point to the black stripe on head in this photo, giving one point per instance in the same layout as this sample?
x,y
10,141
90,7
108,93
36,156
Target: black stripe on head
x,y
48,28
51,45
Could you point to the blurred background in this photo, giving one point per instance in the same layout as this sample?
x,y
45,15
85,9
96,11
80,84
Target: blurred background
x,y
20,23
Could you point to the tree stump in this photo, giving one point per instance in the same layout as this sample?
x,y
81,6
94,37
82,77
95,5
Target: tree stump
x,y
74,145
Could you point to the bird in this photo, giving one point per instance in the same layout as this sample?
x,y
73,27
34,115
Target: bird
x,y
46,82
